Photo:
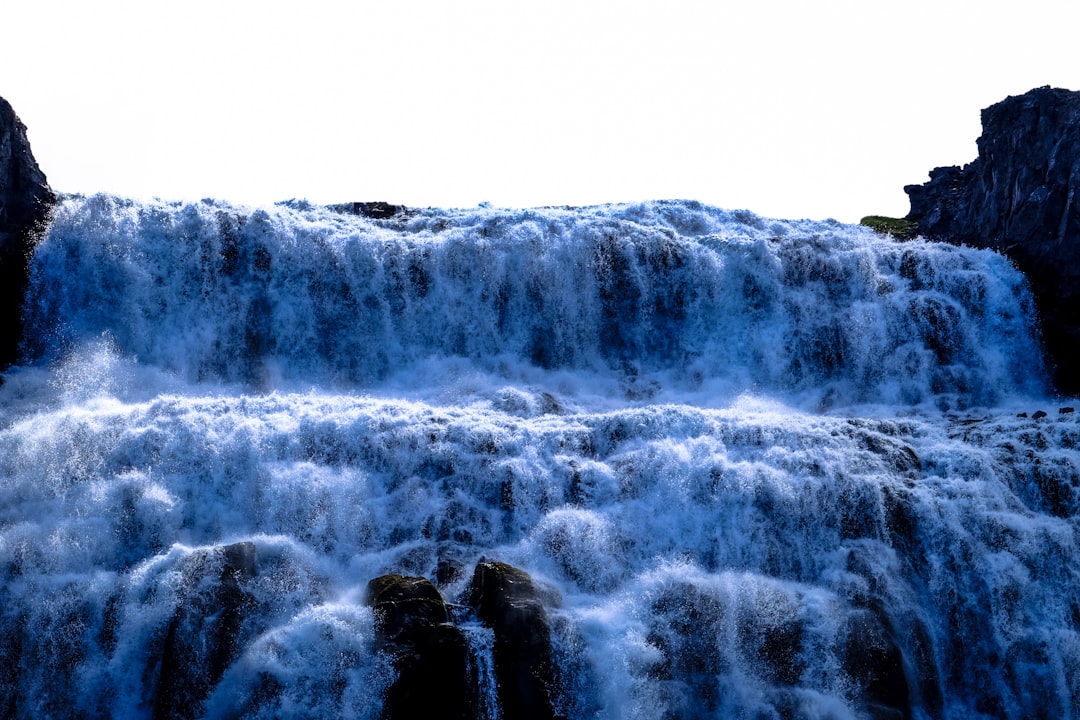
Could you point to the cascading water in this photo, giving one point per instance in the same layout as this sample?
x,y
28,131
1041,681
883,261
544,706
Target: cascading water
x,y
757,468
481,641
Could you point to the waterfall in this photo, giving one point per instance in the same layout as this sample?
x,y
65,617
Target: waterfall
x,y
754,467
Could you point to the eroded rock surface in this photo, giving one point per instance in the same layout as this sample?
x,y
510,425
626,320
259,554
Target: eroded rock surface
x,y
506,600
1021,197
25,200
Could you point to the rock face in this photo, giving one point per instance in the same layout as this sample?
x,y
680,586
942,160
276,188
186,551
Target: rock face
x,y
874,661
377,210
1021,197
25,199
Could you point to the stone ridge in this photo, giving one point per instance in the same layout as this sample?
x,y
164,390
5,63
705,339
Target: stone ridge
x,y
25,201
1021,197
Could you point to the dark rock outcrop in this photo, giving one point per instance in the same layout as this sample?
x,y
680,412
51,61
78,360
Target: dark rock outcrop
x,y
1021,197
376,210
506,600
25,200
202,639
437,674
873,660
430,655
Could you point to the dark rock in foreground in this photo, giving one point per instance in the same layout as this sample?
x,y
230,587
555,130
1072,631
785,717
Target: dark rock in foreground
x,y
1021,197
437,673
25,200
506,600
431,656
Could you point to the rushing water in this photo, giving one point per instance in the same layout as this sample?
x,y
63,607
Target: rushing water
x,y
759,468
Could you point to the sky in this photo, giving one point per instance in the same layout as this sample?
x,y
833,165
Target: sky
x,y
789,109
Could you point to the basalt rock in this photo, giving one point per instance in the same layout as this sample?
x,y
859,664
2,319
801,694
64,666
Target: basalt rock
x,y
1021,197
506,600
25,200
436,673
431,656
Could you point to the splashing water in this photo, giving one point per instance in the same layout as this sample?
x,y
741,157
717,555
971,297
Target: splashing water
x,y
482,646
759,468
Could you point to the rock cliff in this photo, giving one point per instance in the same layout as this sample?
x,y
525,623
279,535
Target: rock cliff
x,y
25,199
1021,197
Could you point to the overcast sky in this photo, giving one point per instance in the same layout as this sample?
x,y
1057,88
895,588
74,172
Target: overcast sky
x,y
790,109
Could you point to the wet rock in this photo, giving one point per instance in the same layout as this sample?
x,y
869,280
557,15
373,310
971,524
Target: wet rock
x,y
775,641
506,600
25,200
688,620
449,571
875,663
1055,484
203,634
902,522
404,605
431,656
1020,197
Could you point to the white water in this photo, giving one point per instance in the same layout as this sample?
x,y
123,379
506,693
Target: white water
x,y
728,448
481,641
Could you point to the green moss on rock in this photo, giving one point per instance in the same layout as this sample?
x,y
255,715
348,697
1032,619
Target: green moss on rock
x,y
899,228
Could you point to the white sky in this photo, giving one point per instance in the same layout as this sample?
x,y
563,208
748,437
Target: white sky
x,y
790,109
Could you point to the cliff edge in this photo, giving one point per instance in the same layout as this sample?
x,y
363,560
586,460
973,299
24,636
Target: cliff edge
x,y
1021,197
25,200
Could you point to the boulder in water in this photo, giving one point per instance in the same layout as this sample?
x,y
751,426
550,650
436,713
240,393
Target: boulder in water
x,y
506,600
430,655
873,660
203,635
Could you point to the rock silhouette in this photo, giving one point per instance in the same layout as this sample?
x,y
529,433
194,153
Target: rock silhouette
x,y
1021,197
25,200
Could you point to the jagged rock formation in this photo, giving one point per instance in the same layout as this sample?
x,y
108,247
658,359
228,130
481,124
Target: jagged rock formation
x,y
25,199
1020,197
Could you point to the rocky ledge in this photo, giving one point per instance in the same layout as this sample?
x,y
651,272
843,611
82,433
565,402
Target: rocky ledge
x,y
1021,197
25,201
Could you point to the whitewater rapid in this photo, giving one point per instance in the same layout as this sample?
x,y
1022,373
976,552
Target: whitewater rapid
x,y
758,468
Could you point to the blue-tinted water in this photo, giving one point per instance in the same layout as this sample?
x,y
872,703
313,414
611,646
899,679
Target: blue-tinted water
x,y
756,466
